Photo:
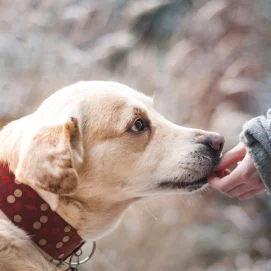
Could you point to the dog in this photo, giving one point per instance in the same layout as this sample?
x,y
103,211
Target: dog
x,y
90,151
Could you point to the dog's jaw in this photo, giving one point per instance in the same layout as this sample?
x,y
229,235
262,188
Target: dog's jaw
x,y
95,216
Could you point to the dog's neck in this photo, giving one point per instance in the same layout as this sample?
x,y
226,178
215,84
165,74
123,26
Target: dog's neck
x,y
89,211
94,216
10,142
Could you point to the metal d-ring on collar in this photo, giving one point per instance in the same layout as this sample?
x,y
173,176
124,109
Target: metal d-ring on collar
x,y
73,266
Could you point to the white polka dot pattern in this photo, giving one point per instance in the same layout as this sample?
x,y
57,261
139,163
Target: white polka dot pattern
x,y
28,211
18,193
66,239
11,199
61,256
37,225
42,242
44,207
16,181
43,219
17,218
67,229
59,245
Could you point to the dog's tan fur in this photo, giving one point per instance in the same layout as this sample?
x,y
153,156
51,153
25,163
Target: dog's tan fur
x,y
77,153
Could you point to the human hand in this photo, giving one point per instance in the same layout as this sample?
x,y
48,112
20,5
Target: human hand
x,y
243,182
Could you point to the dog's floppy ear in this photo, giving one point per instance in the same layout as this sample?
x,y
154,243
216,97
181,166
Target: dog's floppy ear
x,y
48,157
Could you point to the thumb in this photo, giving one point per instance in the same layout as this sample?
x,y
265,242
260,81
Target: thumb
x,y
232,157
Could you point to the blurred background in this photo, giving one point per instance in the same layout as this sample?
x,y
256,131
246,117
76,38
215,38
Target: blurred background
x,y
207,64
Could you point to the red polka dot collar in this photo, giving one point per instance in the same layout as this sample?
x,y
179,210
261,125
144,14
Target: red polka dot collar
x,y
27,210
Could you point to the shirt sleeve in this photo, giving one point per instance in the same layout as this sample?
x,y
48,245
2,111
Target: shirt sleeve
x,y
256,135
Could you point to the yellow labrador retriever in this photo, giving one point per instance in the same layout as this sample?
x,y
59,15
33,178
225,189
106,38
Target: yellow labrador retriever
x,y
90,151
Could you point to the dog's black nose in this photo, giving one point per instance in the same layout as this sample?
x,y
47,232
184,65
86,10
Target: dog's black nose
x,y
216,142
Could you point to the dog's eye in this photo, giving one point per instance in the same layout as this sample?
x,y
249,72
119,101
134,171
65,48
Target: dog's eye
x,y
139,126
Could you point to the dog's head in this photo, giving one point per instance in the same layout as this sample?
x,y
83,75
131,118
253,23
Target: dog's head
x,y
107,137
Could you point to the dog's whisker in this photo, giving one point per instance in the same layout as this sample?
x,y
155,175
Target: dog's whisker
x,y
182,200
148,211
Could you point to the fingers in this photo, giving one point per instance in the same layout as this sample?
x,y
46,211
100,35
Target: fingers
x,y
221,173
226,183
245,188
250,194
243,182
232,157
226,180
241,191
227,172
216,176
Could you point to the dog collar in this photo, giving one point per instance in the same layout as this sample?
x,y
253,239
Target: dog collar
x,y
27,210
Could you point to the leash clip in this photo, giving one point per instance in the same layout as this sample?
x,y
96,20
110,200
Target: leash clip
x,y
73,266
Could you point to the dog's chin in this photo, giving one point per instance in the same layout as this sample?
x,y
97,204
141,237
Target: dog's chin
x,y
185,186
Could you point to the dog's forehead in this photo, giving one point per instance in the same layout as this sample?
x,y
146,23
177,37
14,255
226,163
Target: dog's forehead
x,y
100,97
115,91
112,98
134,96
122,92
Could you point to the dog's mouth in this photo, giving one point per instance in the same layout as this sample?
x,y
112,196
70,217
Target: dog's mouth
x,y
190,186
179,183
